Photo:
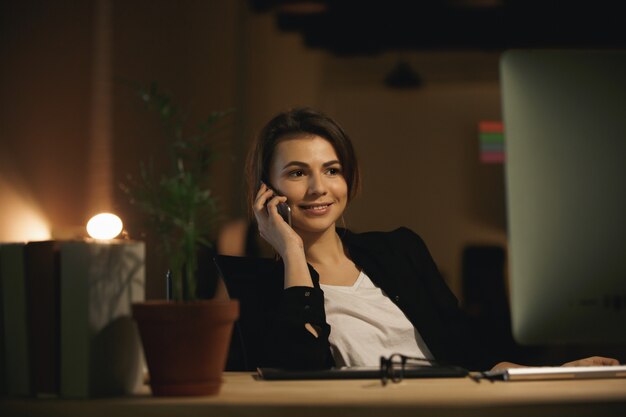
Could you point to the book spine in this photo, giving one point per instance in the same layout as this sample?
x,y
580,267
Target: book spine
x,y
3,372
100,345
42,291
16,358
74,329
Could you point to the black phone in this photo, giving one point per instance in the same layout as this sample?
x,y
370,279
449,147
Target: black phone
x,y
283,209
285,212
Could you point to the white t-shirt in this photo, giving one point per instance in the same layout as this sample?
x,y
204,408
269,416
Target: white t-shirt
x,y
366,324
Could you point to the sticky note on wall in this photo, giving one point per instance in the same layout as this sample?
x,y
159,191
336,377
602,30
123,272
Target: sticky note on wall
x,y
491,137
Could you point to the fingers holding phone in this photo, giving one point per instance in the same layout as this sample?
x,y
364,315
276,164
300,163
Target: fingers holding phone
x,y
266,200
273,216
263,196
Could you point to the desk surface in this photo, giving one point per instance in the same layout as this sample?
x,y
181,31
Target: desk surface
x,y
243,395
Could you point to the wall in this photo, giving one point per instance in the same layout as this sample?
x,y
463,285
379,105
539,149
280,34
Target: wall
x,y
45,58
419,148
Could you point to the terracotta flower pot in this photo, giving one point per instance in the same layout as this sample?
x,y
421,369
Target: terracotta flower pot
x,y
186,344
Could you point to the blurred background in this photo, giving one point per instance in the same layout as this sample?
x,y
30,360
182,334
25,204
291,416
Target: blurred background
x,y
408,80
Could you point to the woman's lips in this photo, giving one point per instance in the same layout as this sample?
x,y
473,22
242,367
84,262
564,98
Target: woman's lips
x,y
316,209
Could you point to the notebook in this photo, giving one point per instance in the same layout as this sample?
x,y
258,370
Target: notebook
x,y
358,372
557,372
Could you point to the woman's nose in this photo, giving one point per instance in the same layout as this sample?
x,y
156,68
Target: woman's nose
x,y
316,185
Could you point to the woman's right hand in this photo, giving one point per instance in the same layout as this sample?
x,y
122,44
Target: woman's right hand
x,y
272,227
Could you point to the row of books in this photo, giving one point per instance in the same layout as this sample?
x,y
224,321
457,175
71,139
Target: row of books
x,y
65,318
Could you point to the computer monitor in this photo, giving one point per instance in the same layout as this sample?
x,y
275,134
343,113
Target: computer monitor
x,y
564,116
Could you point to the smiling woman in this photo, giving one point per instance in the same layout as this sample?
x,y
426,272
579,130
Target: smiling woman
x,y
348,298
307,172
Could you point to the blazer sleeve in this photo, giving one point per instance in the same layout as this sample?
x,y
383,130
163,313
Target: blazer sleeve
x,y
287,342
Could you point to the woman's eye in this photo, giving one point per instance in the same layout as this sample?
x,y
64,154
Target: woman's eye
x,y
334,171
297,173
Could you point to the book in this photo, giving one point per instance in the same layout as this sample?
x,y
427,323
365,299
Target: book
x,y
42,300
557,372
3,378
360,372
14,315
100,346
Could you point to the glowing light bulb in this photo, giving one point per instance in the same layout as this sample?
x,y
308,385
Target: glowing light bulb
x,y
104,226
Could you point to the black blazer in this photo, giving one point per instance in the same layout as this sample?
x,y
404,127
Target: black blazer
x,y
399,263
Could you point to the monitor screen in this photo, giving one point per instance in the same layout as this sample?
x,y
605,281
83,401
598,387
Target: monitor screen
x,y
564,115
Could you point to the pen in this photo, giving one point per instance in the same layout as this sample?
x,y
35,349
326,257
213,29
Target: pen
x,y
168,285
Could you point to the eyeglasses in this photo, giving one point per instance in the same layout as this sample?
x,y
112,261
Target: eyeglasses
x,y
393,368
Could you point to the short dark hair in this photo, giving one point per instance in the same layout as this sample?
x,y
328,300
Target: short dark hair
x,y
292,124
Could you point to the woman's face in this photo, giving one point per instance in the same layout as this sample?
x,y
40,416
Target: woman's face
x,y
307,171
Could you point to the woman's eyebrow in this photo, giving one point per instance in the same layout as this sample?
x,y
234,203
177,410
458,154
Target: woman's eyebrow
x,y
305,165
296,164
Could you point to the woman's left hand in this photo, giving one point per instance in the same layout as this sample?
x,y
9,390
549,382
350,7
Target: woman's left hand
x,y
593,361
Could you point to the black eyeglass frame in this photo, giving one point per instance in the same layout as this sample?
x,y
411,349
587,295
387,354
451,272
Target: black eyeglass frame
x,y
387,372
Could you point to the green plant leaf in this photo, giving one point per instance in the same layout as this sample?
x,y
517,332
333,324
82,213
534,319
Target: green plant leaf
x,y
178,204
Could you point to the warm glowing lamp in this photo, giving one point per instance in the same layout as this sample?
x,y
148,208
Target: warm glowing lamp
x,y
104,226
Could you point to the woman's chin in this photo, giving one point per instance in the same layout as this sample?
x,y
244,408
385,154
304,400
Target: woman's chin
x,y
315,225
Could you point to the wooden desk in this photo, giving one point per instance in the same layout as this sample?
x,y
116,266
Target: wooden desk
x,y
242,395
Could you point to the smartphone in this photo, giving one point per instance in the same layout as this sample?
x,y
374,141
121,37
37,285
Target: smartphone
x,y
283,208
285,212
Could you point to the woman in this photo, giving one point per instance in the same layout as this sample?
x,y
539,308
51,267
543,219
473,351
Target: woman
x,y
348,298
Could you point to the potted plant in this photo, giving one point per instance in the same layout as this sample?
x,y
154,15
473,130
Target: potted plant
x,y
185,340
